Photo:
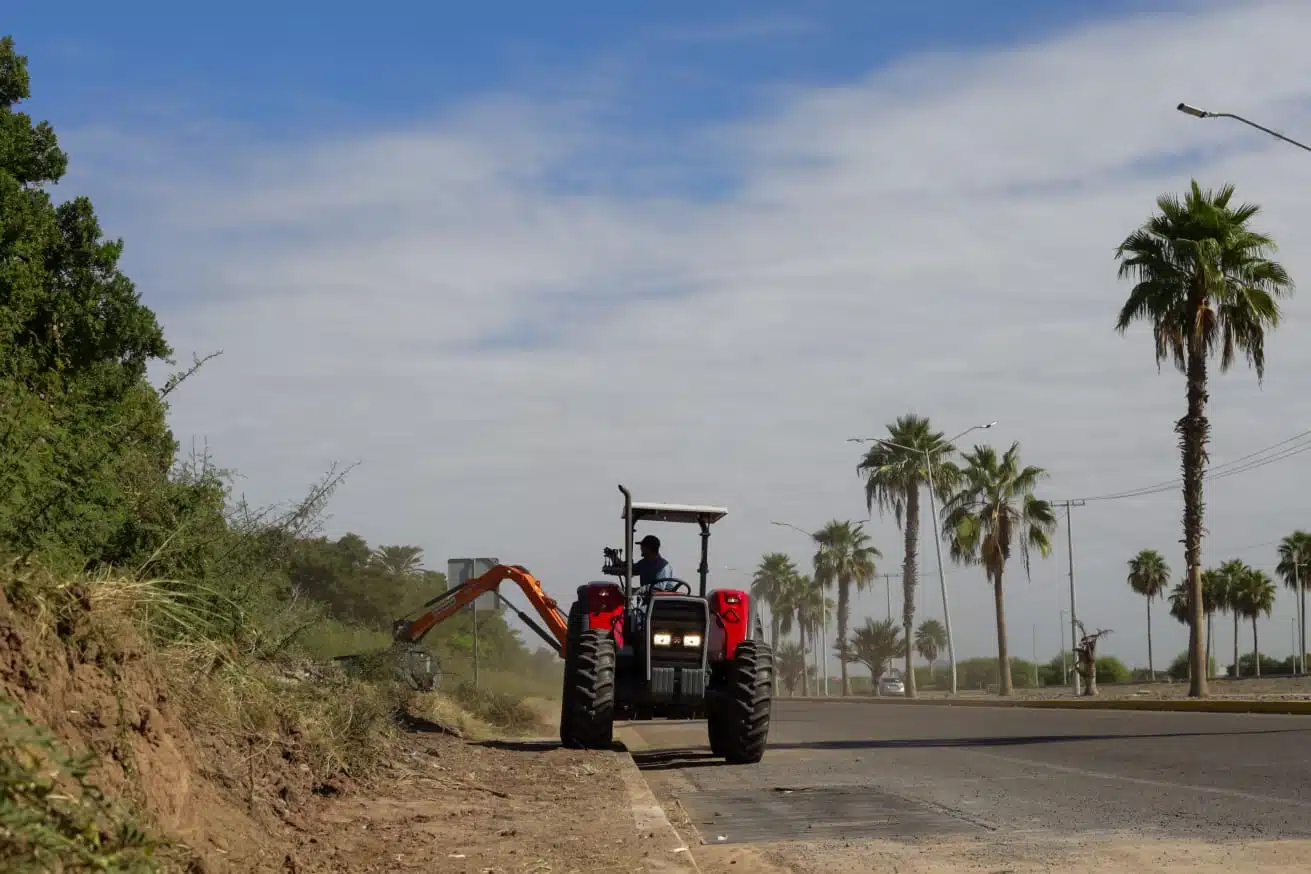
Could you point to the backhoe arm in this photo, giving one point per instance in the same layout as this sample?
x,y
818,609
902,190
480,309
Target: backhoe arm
x,y
451,602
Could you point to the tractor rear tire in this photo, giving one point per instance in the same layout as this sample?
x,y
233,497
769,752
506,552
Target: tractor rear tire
x,y
575,628
587,715
738,722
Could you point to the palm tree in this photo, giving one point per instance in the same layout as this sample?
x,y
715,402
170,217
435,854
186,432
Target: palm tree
x,y
1149,576
1229,586
810,605
1203,281
875,644
846,558
773,575
790,664
1254,597
1294,565
786,607
400,561
893,473
993,510
930,639
1215,595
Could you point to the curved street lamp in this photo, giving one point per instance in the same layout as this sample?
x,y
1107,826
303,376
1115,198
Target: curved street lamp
x,y
1187,109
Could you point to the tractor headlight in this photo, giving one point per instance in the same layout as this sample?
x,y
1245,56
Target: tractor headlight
x,y
662,638
691,640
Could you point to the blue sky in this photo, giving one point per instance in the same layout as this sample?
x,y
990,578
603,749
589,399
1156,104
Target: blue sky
x,y
287,66
691,248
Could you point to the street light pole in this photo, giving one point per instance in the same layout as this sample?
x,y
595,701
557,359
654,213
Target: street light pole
x,y
937,533
1202,113
823,628
1074,620
1065,673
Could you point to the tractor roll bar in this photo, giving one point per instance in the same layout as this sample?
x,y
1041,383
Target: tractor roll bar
x,y
704,570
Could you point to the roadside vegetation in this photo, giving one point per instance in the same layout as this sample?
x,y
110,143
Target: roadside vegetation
x,y
165,647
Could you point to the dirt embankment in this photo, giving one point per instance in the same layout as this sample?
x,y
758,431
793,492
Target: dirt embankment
x,y
248,772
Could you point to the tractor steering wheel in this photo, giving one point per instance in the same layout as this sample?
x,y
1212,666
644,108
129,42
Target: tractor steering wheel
x,y
676,583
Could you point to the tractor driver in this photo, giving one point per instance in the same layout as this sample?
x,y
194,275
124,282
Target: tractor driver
x,y
652,569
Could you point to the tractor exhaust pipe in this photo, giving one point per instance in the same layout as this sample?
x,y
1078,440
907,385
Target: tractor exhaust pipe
x,y
628,542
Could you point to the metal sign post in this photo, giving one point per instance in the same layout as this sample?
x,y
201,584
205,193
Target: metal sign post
x,y
460,571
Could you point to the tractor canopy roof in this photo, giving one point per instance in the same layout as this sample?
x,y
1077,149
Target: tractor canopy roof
x,y
645,511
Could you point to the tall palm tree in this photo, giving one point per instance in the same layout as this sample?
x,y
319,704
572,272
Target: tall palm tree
x,y
1215,597
1149,576
772,577
1295,564
786,606
809,603
1255,597
1203,281
845,559
930,639
894,472
994,510
1229,586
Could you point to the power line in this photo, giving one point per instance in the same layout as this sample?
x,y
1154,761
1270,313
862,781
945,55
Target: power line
x,y
1295,445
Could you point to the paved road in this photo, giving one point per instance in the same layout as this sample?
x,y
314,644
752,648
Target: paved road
x,y
845,771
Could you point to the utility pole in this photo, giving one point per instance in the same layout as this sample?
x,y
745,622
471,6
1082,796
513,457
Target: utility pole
x,y
1060,635
1299,570
474,606
1035,655
1074,610
887,579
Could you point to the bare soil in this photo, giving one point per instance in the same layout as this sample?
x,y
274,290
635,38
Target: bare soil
x,y
478,806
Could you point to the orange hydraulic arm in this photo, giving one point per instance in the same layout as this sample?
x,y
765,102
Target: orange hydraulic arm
x,y
450,602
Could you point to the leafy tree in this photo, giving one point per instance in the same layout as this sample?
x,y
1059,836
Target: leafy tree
x,y
85,453
846,558
1149,576
1294,565
772,577
993,510
930,640
893,472
875,644
1203,280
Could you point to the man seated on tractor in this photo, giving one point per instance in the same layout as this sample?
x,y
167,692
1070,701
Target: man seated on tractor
x,y
652,569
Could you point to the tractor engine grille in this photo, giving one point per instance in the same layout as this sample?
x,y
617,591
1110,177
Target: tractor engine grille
x,y
678,619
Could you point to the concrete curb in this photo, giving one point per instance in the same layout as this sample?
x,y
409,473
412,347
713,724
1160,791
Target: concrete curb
x,y
648,814
1185,705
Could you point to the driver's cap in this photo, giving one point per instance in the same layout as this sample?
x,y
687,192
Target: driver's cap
x,y
650,540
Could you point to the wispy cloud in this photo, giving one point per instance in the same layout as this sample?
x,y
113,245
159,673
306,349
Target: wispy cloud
x,y
501,332
749,29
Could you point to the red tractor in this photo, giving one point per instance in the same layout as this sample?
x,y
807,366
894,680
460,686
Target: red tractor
x,y
633,653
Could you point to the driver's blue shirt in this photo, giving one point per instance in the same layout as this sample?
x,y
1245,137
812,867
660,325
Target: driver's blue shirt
x,y
653,571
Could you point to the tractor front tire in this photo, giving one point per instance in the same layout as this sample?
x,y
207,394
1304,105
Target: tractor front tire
x,y
588,708
738,721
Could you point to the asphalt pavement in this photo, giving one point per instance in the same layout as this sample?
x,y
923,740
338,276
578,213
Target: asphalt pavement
x,y
878,770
